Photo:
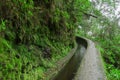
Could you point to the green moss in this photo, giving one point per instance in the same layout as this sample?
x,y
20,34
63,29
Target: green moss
x,y
34,35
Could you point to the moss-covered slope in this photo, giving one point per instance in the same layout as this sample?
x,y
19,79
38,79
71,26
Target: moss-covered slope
x,y
34,34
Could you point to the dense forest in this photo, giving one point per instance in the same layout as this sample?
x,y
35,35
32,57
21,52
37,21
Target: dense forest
x,y
35,34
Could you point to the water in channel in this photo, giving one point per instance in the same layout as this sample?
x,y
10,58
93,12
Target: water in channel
x,y
69,71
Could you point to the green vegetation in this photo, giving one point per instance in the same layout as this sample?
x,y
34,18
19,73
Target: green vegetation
x,y
35,34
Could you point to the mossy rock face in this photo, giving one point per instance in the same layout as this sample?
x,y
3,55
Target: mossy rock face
x,y
33,33
52,22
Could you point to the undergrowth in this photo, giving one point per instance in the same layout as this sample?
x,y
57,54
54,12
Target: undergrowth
x,y
34,34
110,54
25,62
